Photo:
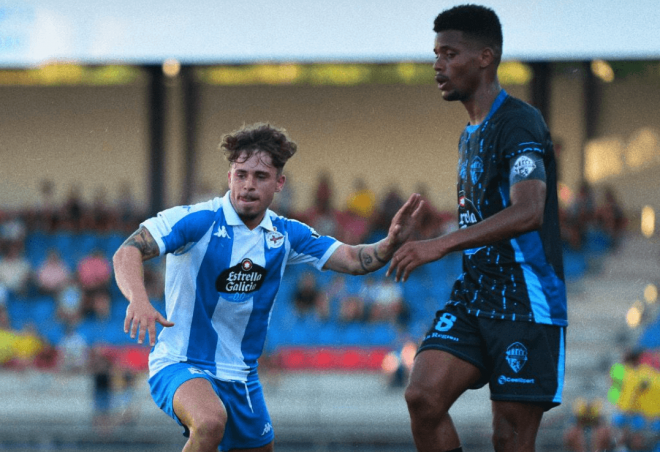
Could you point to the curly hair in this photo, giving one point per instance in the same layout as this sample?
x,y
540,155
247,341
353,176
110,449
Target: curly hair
x,y
243,143
478,22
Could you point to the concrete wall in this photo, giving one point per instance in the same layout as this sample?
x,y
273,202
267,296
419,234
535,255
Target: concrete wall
x,y
390,135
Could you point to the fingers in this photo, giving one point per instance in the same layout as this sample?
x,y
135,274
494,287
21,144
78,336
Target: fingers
x,y
402,264
163,321
144,325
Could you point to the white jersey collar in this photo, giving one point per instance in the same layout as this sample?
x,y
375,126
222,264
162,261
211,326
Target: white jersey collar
x,y
233,219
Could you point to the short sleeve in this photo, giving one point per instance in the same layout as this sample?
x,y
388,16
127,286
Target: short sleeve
x,y
307,246
177,227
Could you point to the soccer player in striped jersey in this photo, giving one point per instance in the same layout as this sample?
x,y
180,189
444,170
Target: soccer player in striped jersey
x,y
225,262
504,324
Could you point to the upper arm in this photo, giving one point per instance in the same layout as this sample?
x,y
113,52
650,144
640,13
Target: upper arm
x,y
528,197
144,242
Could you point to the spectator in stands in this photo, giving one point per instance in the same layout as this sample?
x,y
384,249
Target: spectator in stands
x,y
579,217
99,306
355,220
322,215
73,351
5,325
101,369
384,213
94,275
13,230
46,216
15,269
610,216
126,210
385,302
73,210
433,222
53,274
101,217
308,299
588,429
69,306
154,278
283,204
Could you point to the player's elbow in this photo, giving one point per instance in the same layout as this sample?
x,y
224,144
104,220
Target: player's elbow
x,y
533,221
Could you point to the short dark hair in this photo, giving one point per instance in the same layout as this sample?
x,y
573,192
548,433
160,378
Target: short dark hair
x,y
259,137
476,21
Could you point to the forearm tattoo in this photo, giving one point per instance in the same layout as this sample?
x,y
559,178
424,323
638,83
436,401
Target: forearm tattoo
x,y
378,258
365,260
144,242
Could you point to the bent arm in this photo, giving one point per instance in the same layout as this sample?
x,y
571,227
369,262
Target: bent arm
x,y
363,259
525,214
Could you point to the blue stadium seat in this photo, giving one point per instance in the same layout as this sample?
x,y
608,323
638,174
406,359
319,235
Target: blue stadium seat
x,y
37,245
381,335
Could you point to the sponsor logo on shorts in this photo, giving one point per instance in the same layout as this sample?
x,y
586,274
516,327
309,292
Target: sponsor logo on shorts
x,y
516,356
442,336
194,371
525,381
267,428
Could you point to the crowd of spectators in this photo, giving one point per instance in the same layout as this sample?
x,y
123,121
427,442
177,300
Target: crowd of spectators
x,y
81,290
587,214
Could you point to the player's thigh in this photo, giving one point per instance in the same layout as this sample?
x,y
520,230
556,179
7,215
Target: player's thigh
x,y
196,401
440,377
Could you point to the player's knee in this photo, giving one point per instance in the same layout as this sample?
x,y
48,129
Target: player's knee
x,y
209,428
421,404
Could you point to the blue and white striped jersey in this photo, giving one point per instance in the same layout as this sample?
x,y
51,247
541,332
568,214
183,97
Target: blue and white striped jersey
x,y
221,282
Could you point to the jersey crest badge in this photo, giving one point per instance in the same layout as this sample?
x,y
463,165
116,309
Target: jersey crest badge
x,y
524,166
274,239
516,356
476,170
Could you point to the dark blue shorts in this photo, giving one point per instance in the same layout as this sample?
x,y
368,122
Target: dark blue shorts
x,y
521,361
248,422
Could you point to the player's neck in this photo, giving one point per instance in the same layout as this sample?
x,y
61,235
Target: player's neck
x,y
478,105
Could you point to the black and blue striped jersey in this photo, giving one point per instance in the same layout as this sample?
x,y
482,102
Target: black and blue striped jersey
x,y
522,278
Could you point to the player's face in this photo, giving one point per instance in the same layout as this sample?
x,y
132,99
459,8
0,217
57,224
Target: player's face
x,y
456,65
253,184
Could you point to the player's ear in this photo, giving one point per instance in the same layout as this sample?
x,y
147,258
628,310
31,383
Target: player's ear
x,y
487,57
281,179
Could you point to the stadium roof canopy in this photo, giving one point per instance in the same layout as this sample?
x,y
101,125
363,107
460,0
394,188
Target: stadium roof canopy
x,y
35,32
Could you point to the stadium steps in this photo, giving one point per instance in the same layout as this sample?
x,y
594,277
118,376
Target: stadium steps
x,y
598,302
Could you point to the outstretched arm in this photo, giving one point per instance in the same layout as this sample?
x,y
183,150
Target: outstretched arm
x,y
523,215
363,259
129,274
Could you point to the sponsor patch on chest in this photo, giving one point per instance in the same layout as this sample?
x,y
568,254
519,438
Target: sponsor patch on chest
x,y
243,278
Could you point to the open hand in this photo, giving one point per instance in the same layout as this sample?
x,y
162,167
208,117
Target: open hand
x,y
410,256
141,317
405,221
